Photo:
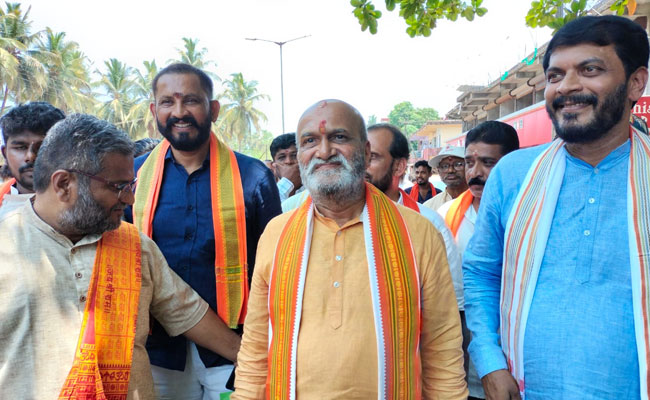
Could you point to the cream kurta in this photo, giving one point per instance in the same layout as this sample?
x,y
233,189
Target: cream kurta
x,y
438,200
12,201
337,345
44,280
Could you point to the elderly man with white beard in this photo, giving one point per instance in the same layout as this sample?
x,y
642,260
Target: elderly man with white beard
x,y
78,285
351,294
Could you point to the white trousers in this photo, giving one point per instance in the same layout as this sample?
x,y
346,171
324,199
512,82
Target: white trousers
x,y
196,382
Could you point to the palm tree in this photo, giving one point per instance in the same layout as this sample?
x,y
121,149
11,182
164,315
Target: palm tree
x,y
240,118
191,54
118,87
24,77
67,72
140,117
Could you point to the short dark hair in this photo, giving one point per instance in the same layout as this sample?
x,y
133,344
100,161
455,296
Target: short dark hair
x,y
80,141
282,142
630,40
422,163
494,132
36,116
182,68
144,146
399,146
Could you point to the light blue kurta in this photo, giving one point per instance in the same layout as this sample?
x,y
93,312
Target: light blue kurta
x,y
579,341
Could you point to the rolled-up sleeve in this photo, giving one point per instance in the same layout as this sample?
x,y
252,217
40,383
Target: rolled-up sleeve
x,y
482,265
252,359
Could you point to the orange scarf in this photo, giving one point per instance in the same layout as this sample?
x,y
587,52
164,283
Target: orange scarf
x,y
415,191
395,292
409,202
228,220
456,212
5,188
102,362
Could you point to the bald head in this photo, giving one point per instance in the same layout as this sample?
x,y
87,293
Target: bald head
x,y
333,151
331,114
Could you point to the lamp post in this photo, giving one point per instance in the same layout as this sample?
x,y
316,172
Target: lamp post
x,y
281,72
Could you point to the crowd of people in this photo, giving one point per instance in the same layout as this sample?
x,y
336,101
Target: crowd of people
x,y
180,269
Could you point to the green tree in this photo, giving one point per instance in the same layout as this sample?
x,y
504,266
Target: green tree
x,y
117,86
68,79
22,75
240,119
421,16
410,119
259,145
195,56
139,116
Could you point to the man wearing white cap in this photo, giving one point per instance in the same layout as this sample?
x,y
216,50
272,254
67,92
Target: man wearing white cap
x,y
450,164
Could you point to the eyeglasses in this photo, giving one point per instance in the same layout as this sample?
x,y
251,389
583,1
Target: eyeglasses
x,y
458,166
118,187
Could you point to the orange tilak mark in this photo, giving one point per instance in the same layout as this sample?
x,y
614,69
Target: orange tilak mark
x,y
178,95
321,127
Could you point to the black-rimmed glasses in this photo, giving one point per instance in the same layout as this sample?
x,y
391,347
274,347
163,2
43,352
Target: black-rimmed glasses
x,y
118,187
458,166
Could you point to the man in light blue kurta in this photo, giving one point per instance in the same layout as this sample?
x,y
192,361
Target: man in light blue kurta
x,y
579,338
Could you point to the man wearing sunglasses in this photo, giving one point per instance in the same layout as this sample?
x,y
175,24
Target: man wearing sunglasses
x,y
78,285
450,164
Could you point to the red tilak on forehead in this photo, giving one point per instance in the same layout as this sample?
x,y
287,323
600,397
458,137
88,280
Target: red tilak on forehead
x,y
178,95
321,126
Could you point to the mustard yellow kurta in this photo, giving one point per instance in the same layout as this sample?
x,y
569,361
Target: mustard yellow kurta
x,y
337,346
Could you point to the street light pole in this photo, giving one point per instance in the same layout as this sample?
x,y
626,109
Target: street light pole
x,y
280,44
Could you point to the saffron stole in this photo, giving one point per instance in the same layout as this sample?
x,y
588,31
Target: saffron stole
x,y
102,364
228,220
395,289
456,212
5,188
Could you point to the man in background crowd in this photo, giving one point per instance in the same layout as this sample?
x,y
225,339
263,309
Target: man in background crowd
x,y
285,165
422,190
450,165
485,145
23,130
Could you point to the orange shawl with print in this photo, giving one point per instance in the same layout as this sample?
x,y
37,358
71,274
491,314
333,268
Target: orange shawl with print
x,y
228,220
102,362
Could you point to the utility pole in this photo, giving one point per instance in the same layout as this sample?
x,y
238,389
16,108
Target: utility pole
x,y
280,44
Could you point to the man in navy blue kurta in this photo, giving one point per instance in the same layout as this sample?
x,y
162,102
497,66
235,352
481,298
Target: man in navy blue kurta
x,y
183,225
